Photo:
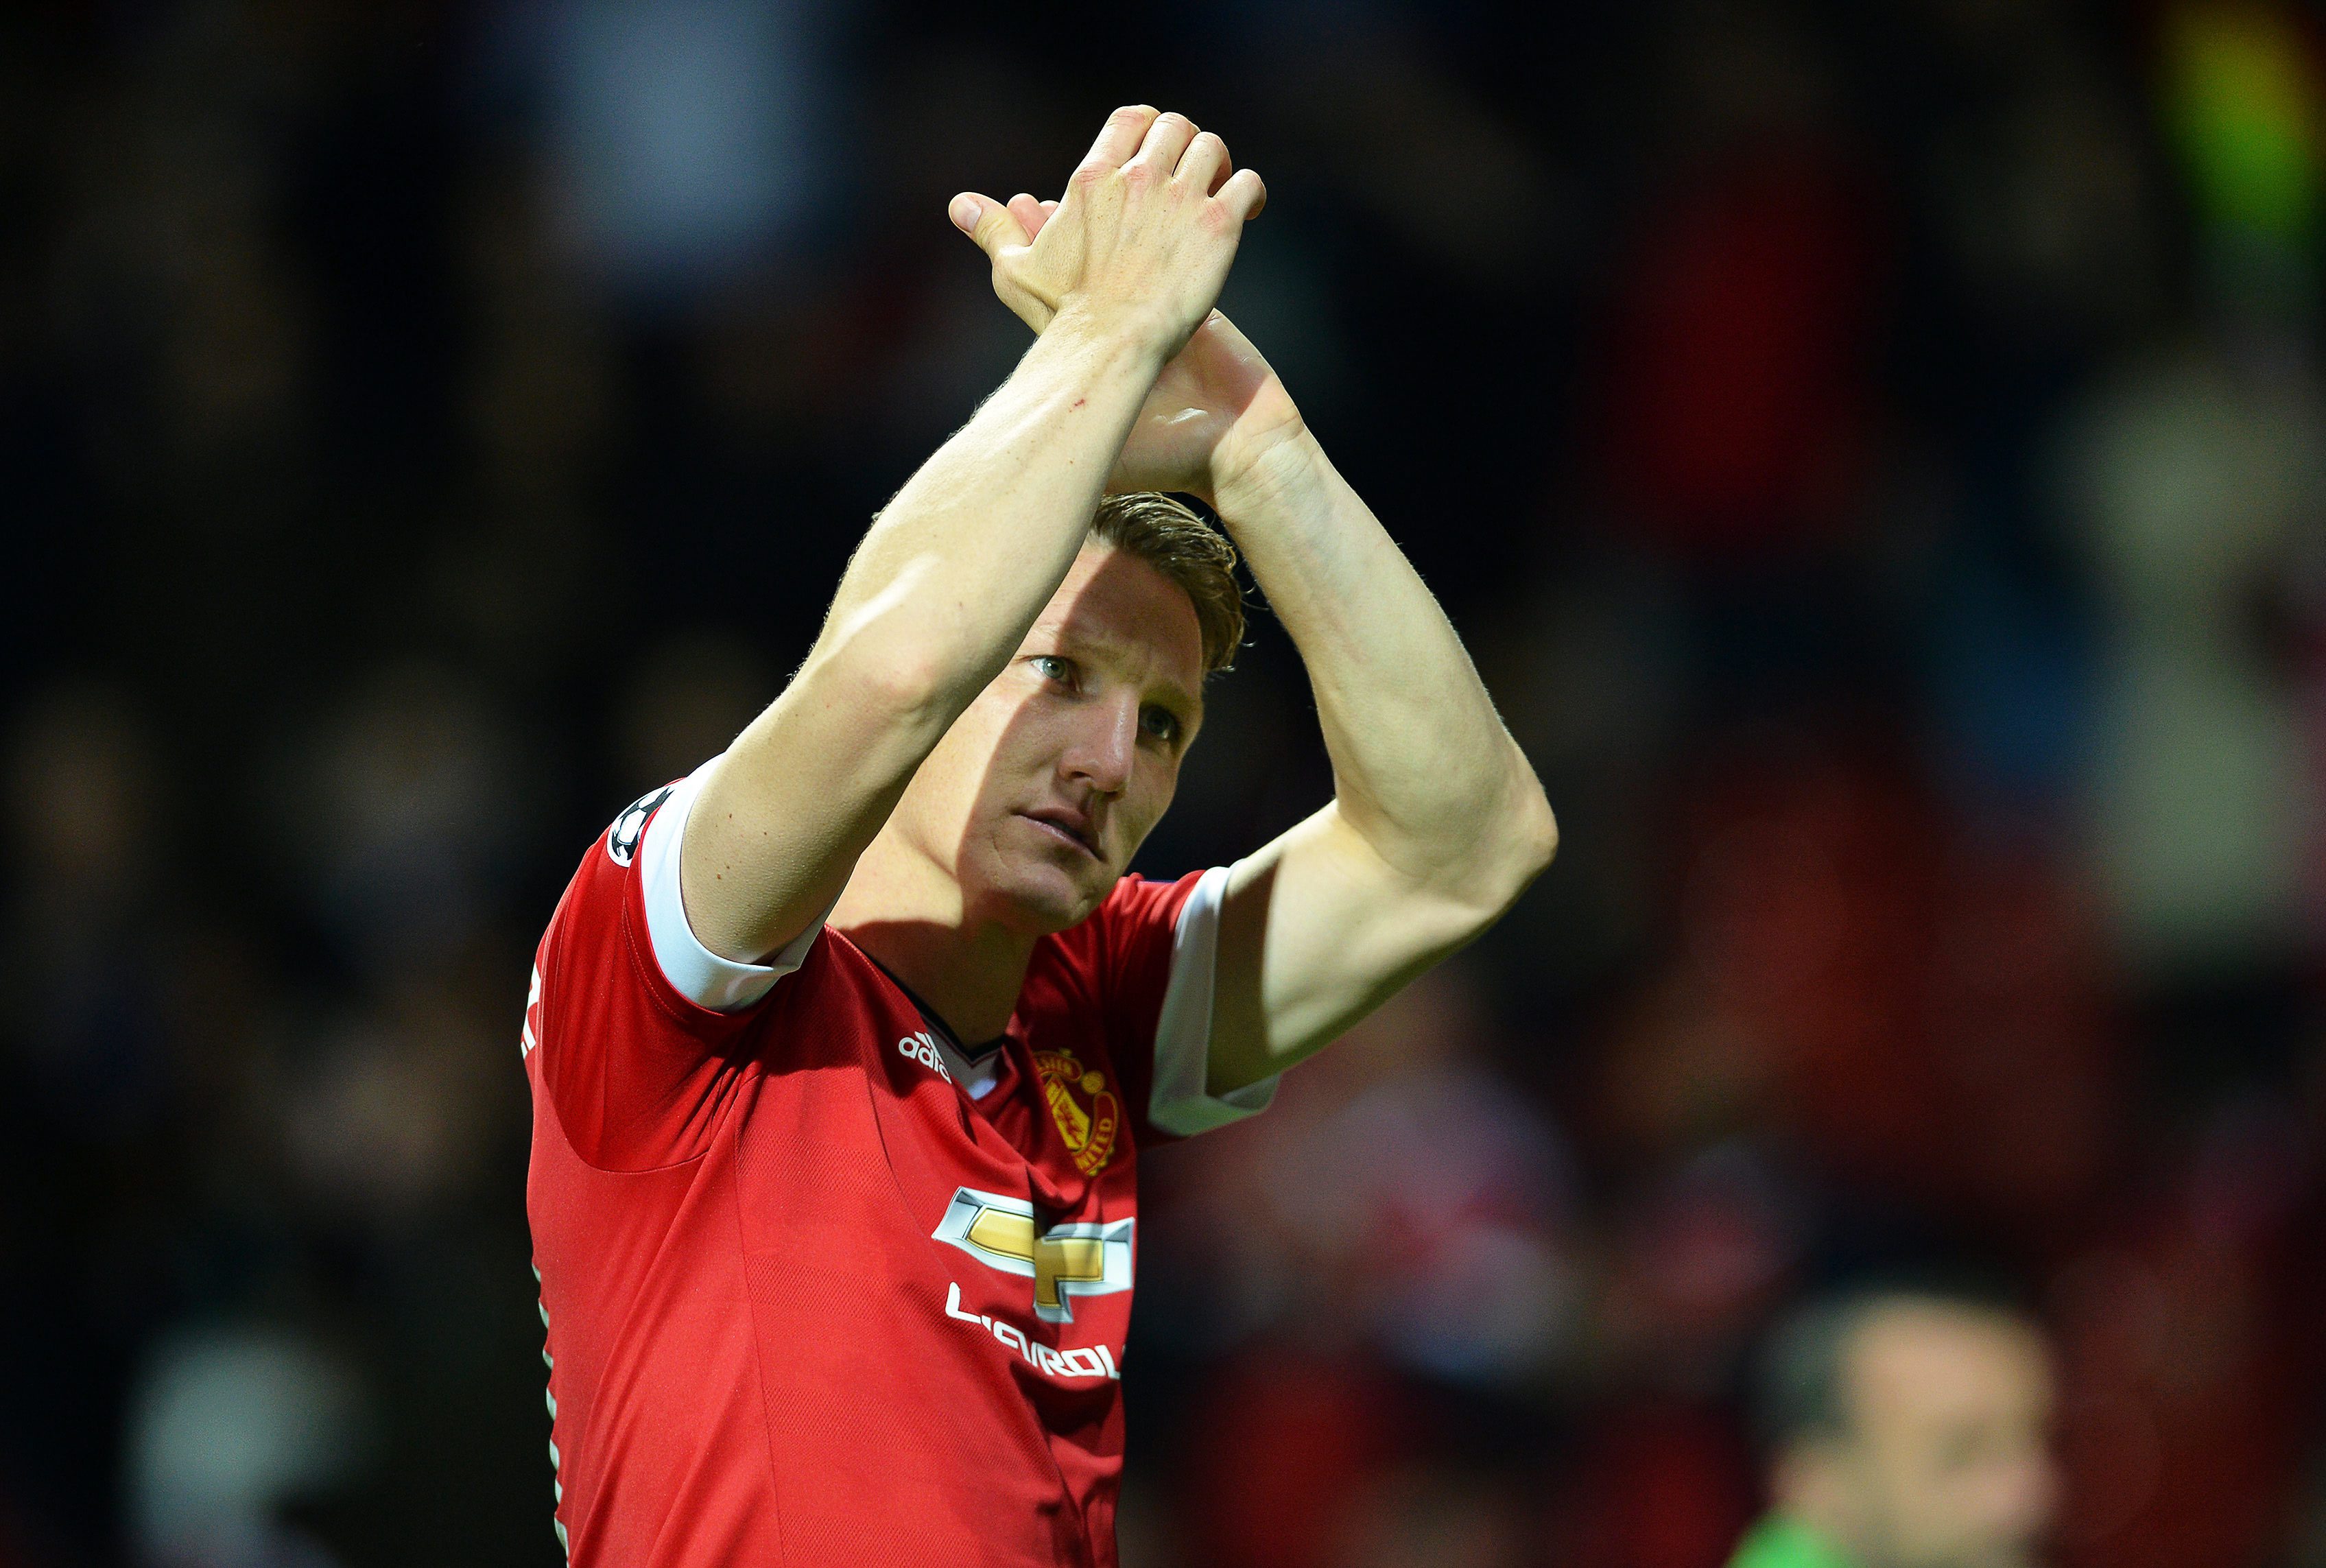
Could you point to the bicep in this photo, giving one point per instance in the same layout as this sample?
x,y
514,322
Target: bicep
x,y
1316,930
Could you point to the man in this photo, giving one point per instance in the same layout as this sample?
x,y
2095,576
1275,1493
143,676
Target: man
x,y
1907,1429
844,1050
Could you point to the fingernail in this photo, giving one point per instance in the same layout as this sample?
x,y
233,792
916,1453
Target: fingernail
x,y
964,213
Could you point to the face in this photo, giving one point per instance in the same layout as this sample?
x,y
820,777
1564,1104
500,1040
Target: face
x,y
1045,787
1947,1464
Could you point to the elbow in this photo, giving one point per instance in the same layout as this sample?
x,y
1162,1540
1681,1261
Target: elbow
x,y
1479,856
1537,835
1520,851
1524,836
1513,845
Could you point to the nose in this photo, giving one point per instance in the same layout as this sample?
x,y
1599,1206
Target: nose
x,y
1105,745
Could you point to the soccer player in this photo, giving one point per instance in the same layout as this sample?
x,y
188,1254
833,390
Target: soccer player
x,y
844,1050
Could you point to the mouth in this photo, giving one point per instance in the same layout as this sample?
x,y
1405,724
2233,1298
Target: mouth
x,y
1066,826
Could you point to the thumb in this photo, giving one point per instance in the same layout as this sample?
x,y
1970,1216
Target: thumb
x,y
1003,238
987,221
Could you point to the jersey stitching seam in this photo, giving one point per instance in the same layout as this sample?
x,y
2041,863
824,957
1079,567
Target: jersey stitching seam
x,y
759,1364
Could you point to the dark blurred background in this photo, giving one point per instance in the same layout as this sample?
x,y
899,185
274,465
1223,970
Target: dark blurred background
x,y
1875,451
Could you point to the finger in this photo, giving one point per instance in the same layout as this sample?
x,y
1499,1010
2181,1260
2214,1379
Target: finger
x,y
1120,137
1030,213
987,221
1166,138
1244,194
1205,165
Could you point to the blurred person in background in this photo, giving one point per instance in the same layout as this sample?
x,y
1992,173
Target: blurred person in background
x,y
1907,1426
843,1048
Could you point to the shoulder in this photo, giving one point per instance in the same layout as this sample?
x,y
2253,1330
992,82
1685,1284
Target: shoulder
x,y
1137,910
1136,980
1121,958
1124,945
1141,899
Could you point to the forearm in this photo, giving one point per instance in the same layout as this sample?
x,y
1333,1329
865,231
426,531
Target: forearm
x,y
948,578
1423,769
937,597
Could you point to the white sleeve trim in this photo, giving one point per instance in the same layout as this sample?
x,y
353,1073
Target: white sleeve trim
x,y
1183,1035
693,971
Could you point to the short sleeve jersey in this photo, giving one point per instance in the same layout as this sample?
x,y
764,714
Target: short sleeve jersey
x,y
818,1292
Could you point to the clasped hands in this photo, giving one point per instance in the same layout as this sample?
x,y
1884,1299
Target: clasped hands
x,y
1137,250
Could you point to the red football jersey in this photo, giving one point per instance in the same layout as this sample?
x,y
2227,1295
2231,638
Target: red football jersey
x,y
818,1291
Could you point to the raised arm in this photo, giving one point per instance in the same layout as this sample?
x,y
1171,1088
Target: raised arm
x,y
1438,822
951,575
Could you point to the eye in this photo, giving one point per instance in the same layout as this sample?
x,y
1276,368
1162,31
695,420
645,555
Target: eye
x,y
1052,667
1161,723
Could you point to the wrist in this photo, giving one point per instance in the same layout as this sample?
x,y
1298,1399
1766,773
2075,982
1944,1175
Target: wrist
x,y
1285,470
1112,333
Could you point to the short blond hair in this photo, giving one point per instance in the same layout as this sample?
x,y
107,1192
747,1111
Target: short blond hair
x,y
1166,534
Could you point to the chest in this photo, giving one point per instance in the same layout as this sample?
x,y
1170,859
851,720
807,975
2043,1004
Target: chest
x,y
1015,1207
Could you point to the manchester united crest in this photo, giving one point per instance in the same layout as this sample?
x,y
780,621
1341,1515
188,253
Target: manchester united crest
x,y
1088,1114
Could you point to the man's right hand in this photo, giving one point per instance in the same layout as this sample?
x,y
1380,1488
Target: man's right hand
x,y
1142,241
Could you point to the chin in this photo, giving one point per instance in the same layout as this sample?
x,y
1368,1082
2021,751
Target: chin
x,y
1044,897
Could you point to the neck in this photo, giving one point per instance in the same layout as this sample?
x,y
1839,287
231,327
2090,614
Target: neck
x,y
910,915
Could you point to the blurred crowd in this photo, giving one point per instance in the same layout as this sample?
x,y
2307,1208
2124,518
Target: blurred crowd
x,y
1875,451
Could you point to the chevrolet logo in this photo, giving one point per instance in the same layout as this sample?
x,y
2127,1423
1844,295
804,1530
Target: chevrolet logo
x,y
1064,1261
